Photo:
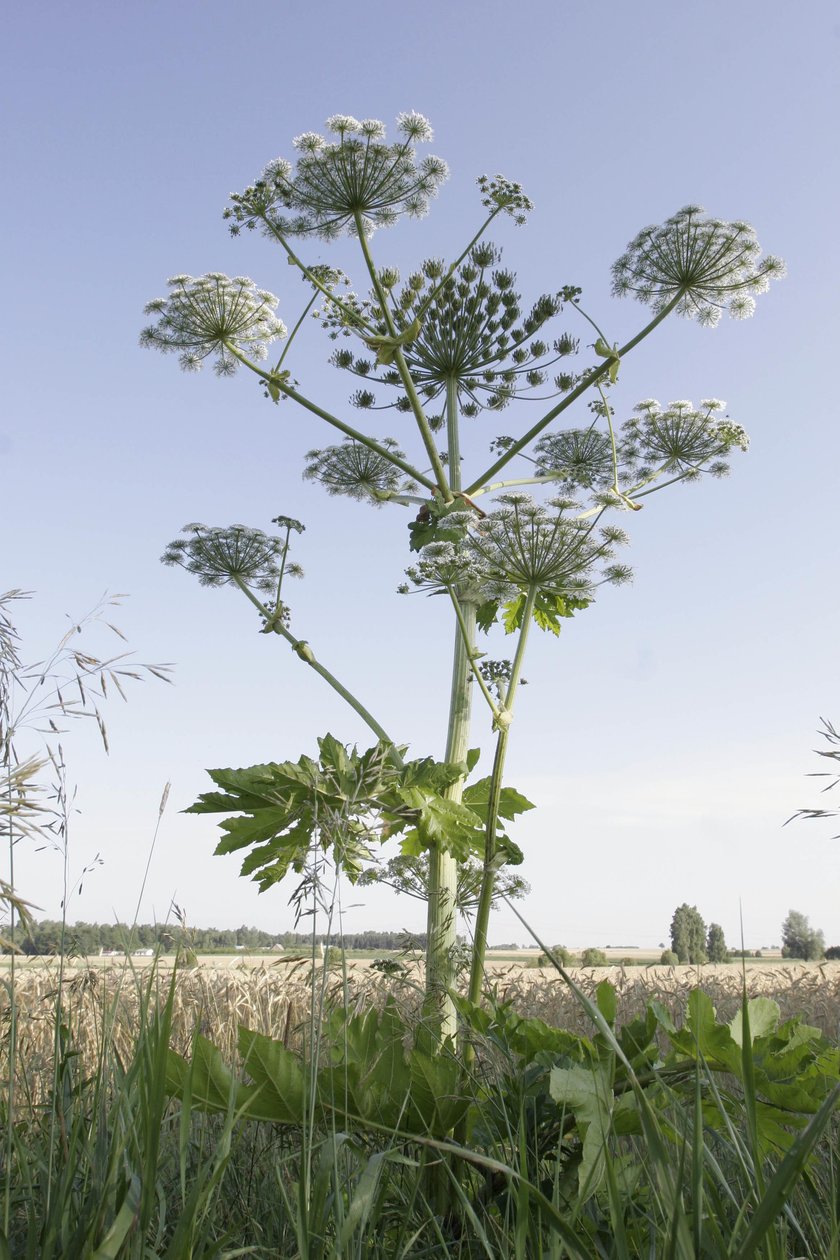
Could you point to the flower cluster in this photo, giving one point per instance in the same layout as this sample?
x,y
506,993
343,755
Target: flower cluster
x,y
235,554
497,675
354,180
353,469
578,458
503,194
525,544
471,329
680,439
708,264
521,545
213,315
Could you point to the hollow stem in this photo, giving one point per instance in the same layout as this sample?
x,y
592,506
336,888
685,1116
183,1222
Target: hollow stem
x,y
443,871
488,877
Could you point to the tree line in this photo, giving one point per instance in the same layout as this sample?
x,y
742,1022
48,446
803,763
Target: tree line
x,y
52,937
693,942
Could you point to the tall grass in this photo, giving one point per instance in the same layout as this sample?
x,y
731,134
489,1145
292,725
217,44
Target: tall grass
x,y
105,1163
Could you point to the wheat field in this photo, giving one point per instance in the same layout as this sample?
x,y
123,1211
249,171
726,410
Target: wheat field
x,y
102,1003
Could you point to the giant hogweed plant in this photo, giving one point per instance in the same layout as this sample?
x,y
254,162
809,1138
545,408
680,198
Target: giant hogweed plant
x,y
525,540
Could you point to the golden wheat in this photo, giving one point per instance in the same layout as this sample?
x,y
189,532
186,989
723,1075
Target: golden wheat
x,y
104,1004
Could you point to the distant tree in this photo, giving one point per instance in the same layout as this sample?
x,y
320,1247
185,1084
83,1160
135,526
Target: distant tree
x,y
799,939
716,944
669,958
594,958
688,934
833,952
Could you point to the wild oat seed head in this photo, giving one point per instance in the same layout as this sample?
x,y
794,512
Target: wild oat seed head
x,y
354,181
208,315
709,264
219,556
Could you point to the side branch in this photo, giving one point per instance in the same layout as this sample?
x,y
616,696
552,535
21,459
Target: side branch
x,y
265,374
595,375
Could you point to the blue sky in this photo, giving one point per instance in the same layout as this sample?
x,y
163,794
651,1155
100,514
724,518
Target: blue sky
x,y
666,736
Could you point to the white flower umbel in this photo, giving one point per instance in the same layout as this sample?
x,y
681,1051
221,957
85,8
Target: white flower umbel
x,y
213,315
352,469
338,183
707,264
235,555
534,547
680,439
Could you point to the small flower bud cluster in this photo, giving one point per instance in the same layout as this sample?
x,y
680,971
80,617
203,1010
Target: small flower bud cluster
x,y
210,315
497,675
472,330
353,469
579,458
354,181
709,264
445,566
237,553
499,193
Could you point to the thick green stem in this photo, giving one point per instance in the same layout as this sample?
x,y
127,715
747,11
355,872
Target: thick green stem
x,y
488,874
488,878
443,871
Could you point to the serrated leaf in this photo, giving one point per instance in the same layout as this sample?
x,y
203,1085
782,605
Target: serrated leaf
x,y
278,1076
512,613
511,802
486,614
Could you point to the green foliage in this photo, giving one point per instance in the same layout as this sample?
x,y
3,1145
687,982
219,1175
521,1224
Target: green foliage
x,y
800,940
594,958
372,1079
668,958
716,944
430,525
549,609
345,803
688,934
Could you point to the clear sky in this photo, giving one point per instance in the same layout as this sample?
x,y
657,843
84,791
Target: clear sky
x,y
666,736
